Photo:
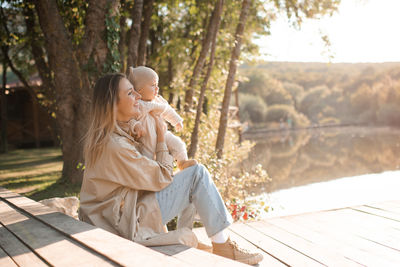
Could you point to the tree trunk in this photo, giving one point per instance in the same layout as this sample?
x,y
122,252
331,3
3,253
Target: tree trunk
x,y
195,134
170,78
134,34
39,56
68,84
73,85
145,27
122,38
238,115
4,118
231,78
205,47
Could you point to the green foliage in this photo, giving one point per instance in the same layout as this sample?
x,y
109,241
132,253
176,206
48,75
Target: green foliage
x,y
74,13
229,177
254,83
112,63
252,108
277,95
389,114
295,90
326,94
313,102
278,113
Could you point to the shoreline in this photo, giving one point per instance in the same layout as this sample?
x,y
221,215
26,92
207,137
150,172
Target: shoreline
x,y
254,132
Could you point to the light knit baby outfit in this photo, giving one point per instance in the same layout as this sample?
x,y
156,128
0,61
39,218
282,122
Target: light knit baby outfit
x,y
176,146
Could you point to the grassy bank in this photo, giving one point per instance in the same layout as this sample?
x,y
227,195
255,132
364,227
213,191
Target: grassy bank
x,y
35,173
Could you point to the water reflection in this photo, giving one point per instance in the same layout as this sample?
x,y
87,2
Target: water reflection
x,y
295,158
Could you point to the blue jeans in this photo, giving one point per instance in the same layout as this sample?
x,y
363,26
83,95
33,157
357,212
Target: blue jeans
x,y
193,189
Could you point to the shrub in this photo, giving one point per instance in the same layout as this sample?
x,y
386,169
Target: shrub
x,y
252,107
389,114
314,101
276,113
227,173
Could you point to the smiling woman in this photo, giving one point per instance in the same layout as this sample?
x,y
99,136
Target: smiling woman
x,y
134,196
128,105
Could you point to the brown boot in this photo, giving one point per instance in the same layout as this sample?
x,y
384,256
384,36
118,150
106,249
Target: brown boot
x,y
231,250
183,164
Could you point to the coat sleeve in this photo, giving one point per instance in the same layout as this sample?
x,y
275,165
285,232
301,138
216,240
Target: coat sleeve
x,y
148,106
171,116
126,166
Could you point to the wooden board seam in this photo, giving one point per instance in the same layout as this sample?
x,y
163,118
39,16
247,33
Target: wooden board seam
x,y
11,258
23,242
259,247
374,214
28,214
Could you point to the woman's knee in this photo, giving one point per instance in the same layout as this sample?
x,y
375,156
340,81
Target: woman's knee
x,y
202,172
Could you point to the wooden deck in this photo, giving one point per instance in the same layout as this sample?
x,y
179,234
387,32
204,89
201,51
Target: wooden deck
x,y
367,235
34,235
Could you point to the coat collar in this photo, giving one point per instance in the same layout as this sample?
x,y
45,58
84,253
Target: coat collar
x,y
119,130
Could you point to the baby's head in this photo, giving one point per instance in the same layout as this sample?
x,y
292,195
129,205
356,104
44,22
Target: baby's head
x,y
145,81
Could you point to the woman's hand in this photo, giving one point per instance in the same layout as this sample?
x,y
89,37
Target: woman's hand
x,y
161,127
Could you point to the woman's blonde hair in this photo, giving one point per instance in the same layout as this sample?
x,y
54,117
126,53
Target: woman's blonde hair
x,y
103,116
140,75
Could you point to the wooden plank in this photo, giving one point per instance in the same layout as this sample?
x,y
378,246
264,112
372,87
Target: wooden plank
x,y
388,206
323,255
367,218
5,260
394,203
46,242
354,254
108,244
378,212
112,246
286,254
196,257
267,261
20,253
376,254
354,224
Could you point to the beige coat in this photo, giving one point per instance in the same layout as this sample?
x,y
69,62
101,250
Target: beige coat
x,y
118,193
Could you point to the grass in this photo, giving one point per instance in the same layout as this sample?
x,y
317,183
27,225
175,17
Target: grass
x,y
35,173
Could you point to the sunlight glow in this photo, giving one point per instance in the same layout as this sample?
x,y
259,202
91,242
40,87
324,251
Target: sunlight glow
x,y
339,193
361,31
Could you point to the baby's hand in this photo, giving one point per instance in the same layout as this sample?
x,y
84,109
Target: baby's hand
x,y
179,126
139,130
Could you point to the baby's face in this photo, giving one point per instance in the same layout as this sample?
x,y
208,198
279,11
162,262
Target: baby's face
x,y
150,89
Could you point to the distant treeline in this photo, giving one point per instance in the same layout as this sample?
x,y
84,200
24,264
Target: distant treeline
x,y
289,94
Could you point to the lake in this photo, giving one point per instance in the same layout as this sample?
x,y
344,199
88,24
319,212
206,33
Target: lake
x,y
325,168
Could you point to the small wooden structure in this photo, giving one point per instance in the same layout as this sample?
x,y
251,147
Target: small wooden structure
x,y
32,234
28,125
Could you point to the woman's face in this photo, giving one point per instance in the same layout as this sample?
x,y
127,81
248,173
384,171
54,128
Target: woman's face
x,y
128,105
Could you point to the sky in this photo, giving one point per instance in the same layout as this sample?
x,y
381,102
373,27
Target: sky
x,y
361,31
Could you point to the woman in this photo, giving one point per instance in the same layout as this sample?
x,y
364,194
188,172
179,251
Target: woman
x,y
134,196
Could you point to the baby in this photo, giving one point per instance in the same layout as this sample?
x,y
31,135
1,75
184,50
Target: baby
x,y
145,82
